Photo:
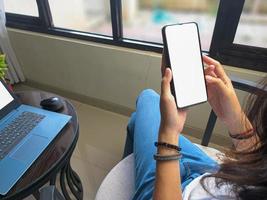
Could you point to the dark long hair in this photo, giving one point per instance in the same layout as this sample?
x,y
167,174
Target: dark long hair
x,y
247,172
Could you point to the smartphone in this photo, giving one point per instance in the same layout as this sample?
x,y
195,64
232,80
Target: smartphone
x,y
184,57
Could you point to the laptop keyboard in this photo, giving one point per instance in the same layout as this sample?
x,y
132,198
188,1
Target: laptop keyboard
x,y
14,132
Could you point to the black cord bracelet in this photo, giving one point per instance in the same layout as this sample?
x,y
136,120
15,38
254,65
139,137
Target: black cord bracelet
x,y
168,146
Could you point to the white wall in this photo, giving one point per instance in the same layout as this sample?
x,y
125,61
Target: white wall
x,y
108,73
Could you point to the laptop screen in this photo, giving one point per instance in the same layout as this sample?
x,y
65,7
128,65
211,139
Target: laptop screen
x,y
5,96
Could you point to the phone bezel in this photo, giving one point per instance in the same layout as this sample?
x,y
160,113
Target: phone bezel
x,y
168,63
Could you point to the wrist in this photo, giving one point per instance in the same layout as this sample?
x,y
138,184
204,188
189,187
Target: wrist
x,y
233,115
243,135
172,139
169,137
240,124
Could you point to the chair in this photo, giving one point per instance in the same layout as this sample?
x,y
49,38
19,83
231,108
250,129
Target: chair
x,y
119,183
50,193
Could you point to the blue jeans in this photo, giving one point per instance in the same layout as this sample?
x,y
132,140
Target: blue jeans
x,y
142,132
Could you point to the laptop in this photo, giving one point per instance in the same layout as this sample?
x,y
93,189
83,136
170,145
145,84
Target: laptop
x,y
25,132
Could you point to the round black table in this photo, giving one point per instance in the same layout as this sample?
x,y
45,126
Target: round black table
x,y
54,160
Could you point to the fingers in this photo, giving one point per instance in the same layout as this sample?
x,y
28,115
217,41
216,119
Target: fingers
x,y
210,61
218,68
217,82
210,71
165,83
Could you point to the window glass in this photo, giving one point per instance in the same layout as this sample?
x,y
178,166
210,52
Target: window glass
x,y
253,24
82,15
23,7
143,19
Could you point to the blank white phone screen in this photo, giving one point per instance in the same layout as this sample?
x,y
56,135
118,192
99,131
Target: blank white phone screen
x,y
186,63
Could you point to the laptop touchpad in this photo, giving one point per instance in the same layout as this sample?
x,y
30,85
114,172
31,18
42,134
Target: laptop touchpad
x,y
30,149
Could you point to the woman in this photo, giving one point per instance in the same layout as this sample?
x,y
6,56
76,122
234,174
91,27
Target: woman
x,y
180,170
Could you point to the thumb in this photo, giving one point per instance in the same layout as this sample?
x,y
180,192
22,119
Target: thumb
x,y
165,83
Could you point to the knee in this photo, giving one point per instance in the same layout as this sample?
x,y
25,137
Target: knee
x,y
147,94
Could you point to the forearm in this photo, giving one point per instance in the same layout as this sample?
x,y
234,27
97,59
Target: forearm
x,y
168,183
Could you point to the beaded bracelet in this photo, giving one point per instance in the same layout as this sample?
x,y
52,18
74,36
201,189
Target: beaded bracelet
x,y
159,157
168,146
242,136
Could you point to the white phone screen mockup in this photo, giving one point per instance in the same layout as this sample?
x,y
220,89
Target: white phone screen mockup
x,y
185,59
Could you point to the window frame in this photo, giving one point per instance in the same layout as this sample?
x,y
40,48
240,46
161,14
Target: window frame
x,y
222,47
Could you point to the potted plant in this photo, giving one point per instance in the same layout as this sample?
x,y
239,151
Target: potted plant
x,y
3,69
3,66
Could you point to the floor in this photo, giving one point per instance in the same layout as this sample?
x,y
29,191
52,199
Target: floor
x,y
100,145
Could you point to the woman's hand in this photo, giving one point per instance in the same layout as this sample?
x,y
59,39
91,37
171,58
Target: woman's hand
x,y
168,179
172,119
222,96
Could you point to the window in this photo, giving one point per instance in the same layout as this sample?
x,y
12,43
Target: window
x,y
23,7
143,19
253,24
233,31
82,15
233,42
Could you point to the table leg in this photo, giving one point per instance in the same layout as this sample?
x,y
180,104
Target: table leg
x,y
36,195
73,182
